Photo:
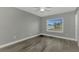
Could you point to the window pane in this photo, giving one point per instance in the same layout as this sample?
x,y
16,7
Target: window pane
x,y
55,24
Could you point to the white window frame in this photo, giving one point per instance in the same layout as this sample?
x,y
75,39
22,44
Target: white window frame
x,y
55,31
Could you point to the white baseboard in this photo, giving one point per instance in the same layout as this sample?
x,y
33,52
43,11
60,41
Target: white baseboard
x,y
59,37
14,42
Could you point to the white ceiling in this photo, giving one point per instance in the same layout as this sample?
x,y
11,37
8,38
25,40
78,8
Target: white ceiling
x,y
49,11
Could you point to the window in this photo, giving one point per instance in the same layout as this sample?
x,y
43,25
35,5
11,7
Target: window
x,y
55,25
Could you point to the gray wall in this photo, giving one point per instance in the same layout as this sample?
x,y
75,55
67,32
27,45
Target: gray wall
x,y
21,24
78,24
69,25
17,23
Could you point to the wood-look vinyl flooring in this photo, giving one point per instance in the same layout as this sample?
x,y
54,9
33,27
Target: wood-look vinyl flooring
x,y
43,44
